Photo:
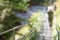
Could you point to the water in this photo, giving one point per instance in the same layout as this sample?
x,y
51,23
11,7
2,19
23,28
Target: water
x,y
46,32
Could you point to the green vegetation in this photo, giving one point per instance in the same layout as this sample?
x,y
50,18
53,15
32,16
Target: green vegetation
x,y
7,16
31,29
41,2
8,19
57,12
15,4
50,17
36,20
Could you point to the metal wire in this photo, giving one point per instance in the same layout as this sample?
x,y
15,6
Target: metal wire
x,y
11,29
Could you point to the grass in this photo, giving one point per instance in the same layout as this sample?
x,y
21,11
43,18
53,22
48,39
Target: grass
x,y
22,31
36,20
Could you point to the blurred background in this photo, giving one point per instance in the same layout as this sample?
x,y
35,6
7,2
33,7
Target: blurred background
x,y
29,20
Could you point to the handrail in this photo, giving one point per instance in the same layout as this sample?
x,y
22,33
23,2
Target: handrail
x,y
11,29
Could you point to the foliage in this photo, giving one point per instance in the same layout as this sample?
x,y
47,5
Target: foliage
x,y
58,14
24,31
7,18
41,2
20,4
35,20
6,13
50,17
15,4
58,22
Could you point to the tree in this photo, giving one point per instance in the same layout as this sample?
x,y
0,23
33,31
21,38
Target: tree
x,y
41,2
7,17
